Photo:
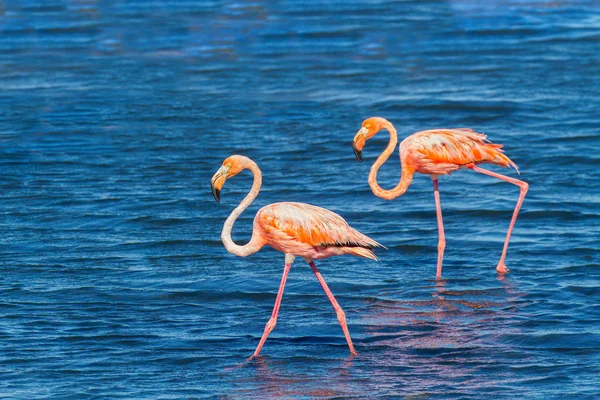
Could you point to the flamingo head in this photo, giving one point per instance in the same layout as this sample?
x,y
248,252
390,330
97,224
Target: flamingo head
x,y
370,127
231,167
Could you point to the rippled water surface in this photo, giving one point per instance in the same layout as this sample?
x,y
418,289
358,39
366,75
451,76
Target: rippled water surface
x,y
115,115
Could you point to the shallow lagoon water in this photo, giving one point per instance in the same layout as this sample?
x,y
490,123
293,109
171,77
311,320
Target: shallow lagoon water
x,y
114,116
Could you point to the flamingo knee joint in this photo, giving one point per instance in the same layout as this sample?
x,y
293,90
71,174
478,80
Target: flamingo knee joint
x,y
271,324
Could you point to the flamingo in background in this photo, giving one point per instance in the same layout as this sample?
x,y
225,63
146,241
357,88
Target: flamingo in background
x,y
438,152
296,229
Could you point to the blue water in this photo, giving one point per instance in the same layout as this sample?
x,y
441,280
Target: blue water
x,y
115,115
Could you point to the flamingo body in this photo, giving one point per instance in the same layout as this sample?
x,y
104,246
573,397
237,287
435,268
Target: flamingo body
x,y
443,151
310,232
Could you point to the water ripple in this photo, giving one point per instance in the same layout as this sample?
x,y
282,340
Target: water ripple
x,y
114,116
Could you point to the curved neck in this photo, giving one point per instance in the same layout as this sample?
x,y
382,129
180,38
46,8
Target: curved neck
x,y
407,173
256,242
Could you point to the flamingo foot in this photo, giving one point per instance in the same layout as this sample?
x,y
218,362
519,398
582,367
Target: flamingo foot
x,y
252,357
501,268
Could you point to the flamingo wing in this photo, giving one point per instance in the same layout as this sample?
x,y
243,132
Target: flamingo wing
x,y
457,147
311,225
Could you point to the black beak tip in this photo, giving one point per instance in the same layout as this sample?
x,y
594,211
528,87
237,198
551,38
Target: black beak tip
x,y
216,193
357,153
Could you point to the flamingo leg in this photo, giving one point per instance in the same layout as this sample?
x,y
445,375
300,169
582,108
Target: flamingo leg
x,y
524,186
442,238
273,320
341,316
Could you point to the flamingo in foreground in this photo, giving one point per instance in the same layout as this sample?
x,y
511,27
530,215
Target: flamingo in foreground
x,y
438,152
296,229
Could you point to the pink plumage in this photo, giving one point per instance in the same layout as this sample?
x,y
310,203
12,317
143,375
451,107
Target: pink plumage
x,y
442,151
311,232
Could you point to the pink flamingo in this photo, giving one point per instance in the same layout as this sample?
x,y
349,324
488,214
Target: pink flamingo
x,y
296,229
438,152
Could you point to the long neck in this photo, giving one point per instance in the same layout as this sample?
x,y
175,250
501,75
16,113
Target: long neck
x,y
256,242
407,172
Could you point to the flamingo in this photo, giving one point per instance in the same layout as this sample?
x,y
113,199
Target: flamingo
x,y
295,229
438,152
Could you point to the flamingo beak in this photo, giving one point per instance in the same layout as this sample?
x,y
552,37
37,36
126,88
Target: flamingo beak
x,y
357,152
216,194
217,182
359,142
